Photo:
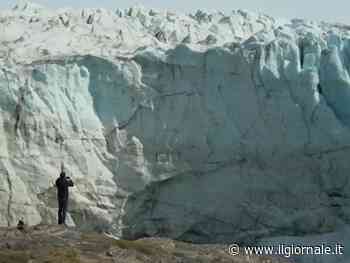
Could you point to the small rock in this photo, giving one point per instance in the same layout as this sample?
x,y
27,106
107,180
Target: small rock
x,y
21,225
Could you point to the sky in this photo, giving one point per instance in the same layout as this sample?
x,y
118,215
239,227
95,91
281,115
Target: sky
x,y
331,11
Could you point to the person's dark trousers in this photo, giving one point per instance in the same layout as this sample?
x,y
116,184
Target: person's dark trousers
x,y
62,210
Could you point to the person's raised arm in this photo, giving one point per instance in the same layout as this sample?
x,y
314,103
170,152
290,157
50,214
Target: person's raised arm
x,y
70,182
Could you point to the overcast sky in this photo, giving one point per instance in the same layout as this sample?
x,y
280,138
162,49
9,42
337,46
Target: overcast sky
x,y
332,11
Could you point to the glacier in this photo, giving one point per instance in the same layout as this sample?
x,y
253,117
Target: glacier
x,y
206,127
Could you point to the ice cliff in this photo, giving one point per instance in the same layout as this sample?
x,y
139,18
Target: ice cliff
x,y
209,127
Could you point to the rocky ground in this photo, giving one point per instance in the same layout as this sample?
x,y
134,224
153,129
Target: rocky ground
x,y
57,244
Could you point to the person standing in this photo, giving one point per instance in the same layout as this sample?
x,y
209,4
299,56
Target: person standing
x,y
62,184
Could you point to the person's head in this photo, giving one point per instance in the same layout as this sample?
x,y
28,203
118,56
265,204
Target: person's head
x,y
62,174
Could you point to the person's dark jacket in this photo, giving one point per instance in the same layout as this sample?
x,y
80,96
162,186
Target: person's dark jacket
x,y
62,184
